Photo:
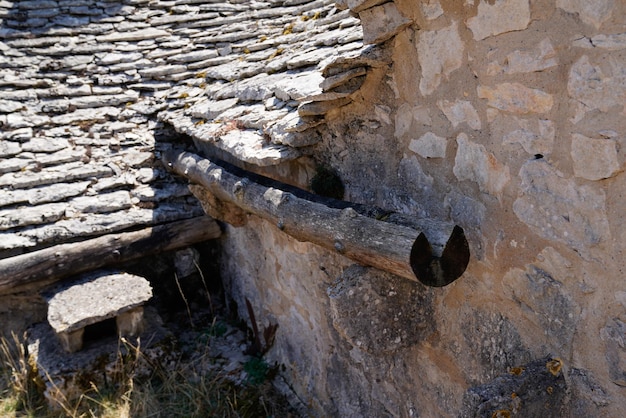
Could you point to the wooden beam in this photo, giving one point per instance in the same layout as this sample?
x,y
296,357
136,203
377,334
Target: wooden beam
x,y
54,263
336,225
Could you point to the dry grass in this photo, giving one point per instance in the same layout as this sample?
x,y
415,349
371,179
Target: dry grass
x,y
19,387
188,388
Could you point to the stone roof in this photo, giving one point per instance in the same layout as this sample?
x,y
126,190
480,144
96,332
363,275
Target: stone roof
x,y
86,86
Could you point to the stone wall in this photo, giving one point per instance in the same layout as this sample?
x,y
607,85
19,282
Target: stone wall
x,y
507,118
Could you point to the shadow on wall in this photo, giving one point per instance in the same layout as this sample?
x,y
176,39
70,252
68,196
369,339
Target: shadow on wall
x,y
46,16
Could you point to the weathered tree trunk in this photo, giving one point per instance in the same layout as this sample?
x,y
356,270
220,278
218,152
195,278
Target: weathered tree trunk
x,y
398,249
54,263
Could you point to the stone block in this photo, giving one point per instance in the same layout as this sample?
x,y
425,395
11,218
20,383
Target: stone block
x,y
130,322
39,144
429,145
64,172
465,210
431,9
341,79
526,61
473,162
72,341
590,12
410,118
382,22
535,136
70,21
516,98
8,165
299,86
186,262
193,56
460,111
102,203
378,312
162,71
292,130
494,343
588,396
18,135
499,16
537,389
549,303
37,4
321,108
437,61
209,110
9,106
557,208
31,215
594,158
596,88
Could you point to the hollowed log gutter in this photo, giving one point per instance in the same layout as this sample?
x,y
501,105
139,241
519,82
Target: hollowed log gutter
x,y
367,235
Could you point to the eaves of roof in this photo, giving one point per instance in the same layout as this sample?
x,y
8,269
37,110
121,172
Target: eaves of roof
x,y
88,87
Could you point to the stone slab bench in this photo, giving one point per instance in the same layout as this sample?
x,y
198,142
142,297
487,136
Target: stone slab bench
x,y
93,299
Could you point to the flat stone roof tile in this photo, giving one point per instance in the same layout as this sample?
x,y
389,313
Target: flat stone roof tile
x,y
8,148
84,87
24,216
148,33
39,144
53,193
51,175
12,164
63,156
101,203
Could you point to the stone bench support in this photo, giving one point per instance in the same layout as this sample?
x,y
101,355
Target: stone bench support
x,y
93,299
72,340
130,322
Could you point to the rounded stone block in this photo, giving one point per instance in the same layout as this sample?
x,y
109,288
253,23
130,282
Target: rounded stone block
x,y
380,312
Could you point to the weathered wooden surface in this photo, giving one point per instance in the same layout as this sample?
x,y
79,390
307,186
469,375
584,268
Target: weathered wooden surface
x,y
384,245
63,260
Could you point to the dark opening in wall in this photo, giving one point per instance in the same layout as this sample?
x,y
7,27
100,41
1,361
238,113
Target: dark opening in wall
x,y
99,331
327,183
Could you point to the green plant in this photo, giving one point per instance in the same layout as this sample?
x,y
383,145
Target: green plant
x,y
218,328
257,370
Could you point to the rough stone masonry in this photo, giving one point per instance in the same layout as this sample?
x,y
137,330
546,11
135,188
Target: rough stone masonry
x,y
505,117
